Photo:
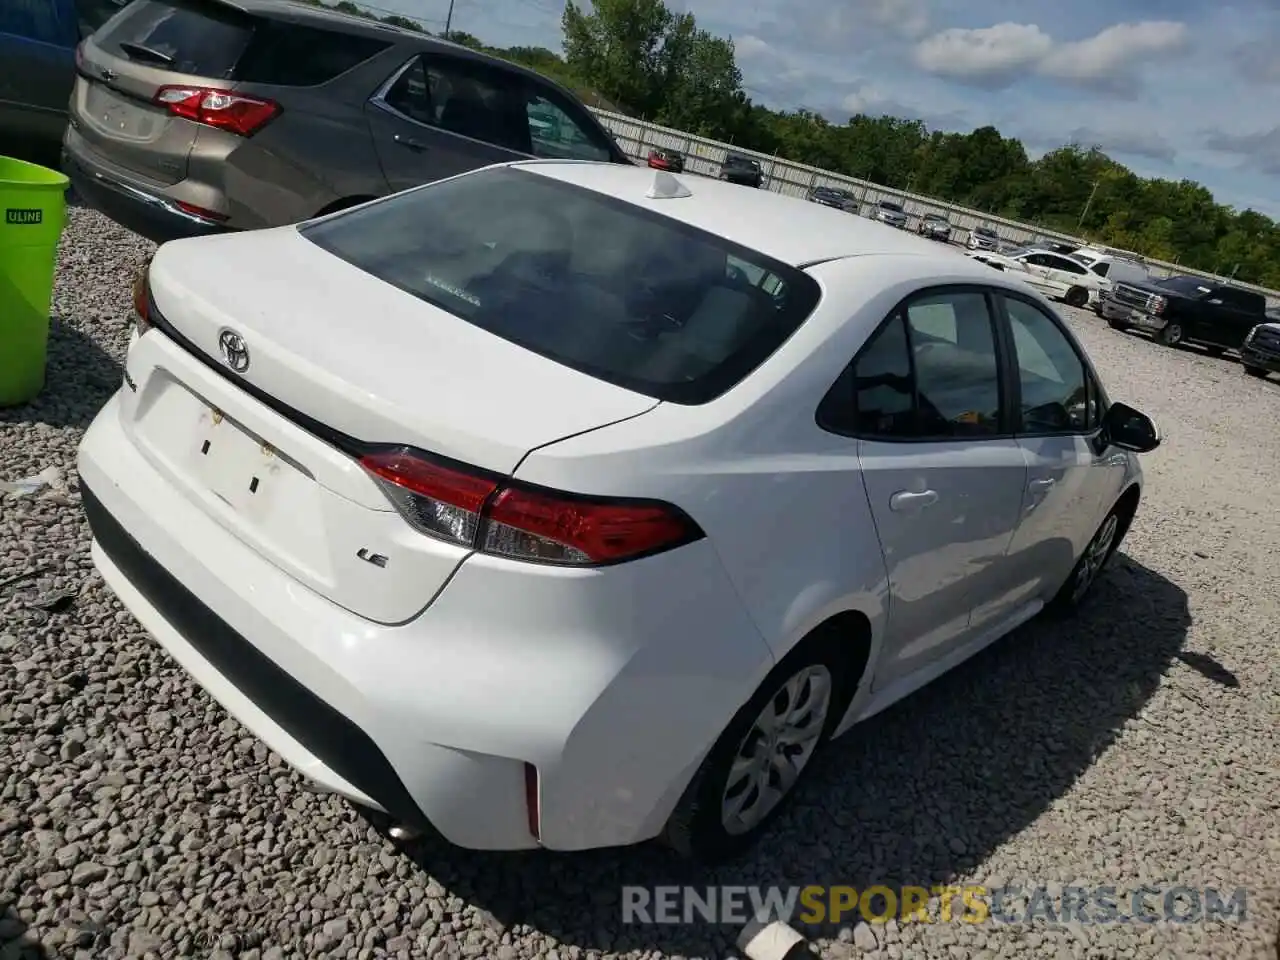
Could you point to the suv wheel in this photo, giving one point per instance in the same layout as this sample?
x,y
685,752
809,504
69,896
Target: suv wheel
x,y
1171,335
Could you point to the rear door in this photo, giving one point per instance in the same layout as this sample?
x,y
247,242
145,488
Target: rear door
x,y
154,43
943,475
1232,314
440,116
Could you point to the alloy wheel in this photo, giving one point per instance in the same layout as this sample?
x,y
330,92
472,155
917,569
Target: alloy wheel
x,y
776,749
1172,334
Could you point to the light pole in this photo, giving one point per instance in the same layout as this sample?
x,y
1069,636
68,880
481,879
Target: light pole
x,y
1088,203
448,20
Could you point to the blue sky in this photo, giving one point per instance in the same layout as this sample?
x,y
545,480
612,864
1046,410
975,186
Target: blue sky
x,y
1171,88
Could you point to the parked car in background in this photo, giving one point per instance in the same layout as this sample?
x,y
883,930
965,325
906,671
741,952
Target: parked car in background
x,y
1052,274
891,213
664,158
194,118
38,39
983,238
1260,353
316,526
1186,309
741,170
935,226
1112,269
1053,246
833,197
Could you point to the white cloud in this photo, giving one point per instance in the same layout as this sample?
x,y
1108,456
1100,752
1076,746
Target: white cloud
x,y
1112,53
987,55
864,99
995,56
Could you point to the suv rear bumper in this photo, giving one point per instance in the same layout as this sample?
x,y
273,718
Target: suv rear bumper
x,y
134,206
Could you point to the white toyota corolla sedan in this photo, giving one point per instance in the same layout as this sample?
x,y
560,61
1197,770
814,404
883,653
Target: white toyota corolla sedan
x,y
570,505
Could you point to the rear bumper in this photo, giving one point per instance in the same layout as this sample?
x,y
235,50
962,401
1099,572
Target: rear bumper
x,y
611,684
135,207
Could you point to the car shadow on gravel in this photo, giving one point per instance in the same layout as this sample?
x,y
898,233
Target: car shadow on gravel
x,y
79,378
918,795
14,943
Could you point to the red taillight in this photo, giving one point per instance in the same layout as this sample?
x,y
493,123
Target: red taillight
x,y
508,519
218,108
142,298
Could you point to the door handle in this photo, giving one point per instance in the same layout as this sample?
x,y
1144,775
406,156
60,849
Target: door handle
x,y
410,143
907,500
1045,484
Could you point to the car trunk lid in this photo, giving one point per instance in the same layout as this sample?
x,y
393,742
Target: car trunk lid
x,y
149,45
335,358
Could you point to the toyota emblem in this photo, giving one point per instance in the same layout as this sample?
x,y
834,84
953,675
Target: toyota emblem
x,y
234,351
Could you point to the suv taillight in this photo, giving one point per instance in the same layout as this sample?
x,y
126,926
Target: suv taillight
x,y
494,515
218,108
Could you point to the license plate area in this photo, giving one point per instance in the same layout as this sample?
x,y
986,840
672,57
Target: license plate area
x,y
121,117
260,493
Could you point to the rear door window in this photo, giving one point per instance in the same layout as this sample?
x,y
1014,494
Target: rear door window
x,y
292,55
556,133
204,39
593,282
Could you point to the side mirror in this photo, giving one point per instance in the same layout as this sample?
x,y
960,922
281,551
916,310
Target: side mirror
x,y
1129,429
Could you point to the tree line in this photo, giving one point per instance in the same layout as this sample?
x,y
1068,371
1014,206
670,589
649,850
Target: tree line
x,y
643,59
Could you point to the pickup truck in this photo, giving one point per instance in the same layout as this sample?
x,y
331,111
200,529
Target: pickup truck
x,y
38,40
1186,310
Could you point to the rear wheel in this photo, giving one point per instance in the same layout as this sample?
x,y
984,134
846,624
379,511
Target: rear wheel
x,y
751,772
1076,297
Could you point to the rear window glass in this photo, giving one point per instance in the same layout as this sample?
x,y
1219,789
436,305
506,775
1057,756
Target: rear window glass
x,y
186,36
601,285
289,54
886,205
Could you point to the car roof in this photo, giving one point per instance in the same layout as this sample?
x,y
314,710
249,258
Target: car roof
x,y
782,227
319,15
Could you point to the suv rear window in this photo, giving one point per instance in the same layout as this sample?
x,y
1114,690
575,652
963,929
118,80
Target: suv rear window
x,y
210,39
595,283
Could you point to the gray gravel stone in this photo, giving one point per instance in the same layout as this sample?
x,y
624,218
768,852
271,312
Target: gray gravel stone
x,y
1139,744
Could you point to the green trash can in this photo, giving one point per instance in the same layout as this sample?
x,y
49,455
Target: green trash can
x,y
34,204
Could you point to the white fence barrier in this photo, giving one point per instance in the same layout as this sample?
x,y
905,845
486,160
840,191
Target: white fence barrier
x,y
704,156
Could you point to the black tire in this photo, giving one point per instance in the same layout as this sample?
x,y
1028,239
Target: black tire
x,y
1076,297
1072,596
1171,335
696,830
1255,371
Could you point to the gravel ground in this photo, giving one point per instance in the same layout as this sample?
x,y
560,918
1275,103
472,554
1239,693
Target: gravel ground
x,y
1140,744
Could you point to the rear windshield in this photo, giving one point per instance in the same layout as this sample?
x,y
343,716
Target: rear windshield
x,y
886,205
186,36
210,39
595,283
984,232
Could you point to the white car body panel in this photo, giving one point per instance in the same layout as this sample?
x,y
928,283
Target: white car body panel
x,y
463,669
